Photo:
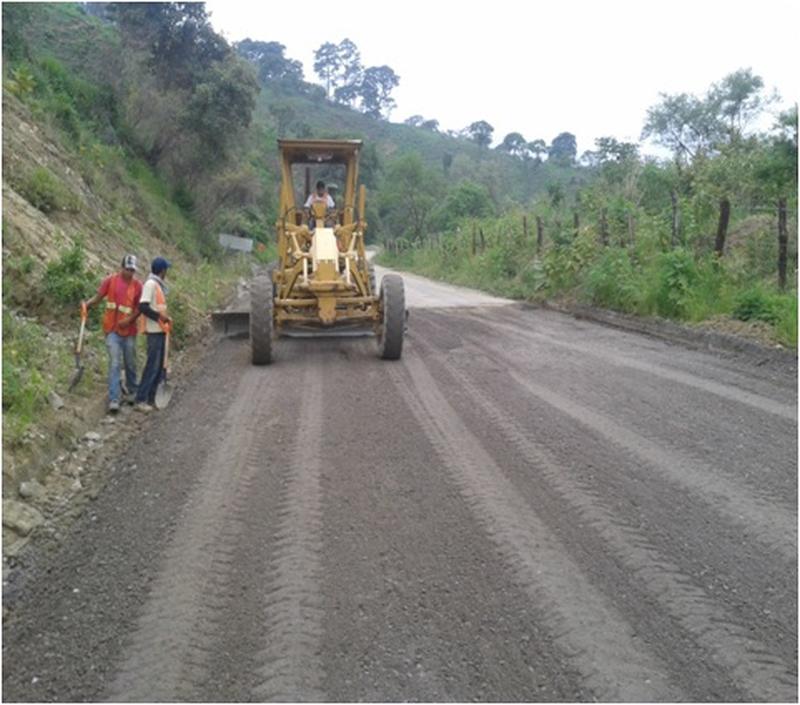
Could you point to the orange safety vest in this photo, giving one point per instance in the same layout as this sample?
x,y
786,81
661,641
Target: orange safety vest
x,y
119,309
160,306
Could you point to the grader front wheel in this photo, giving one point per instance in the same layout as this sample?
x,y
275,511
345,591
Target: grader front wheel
x,y
392,328
261,321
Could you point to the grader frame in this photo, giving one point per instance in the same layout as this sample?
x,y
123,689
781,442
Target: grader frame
x,y
322,279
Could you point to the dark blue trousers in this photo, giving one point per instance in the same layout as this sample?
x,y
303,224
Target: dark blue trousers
x,y
151,375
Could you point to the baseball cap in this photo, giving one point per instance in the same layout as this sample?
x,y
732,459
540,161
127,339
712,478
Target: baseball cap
x,y
159,264
129,262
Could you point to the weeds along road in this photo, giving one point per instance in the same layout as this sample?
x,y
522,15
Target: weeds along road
x,y
525,507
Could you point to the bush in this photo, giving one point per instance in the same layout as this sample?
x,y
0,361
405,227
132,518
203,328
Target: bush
x,y
67,281
675,275
613,282
756,304
24,387
43,190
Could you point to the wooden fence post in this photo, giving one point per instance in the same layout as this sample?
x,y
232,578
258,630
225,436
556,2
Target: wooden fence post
x,y
525,229
783,239
483,239
474,240
576,222
539,234
722,226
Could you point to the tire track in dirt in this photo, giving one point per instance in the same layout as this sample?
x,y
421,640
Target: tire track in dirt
x,y
755,669
615,359
94,589
597,640
774,526
169,652
291,667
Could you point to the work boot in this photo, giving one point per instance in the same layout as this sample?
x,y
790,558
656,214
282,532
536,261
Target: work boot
x,y
113,407
144,407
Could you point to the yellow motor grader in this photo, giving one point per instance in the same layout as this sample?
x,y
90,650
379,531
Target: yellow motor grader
x,y
322,280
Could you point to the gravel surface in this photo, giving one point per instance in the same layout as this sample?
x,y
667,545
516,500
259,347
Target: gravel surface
x,y
525,507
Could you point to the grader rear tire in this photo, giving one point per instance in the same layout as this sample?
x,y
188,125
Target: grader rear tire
x,y
393,303
261,321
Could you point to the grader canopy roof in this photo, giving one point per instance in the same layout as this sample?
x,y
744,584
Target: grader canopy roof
x,y
319,151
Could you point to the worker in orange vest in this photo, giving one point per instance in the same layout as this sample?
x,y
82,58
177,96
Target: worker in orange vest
x,y
122,292
153,307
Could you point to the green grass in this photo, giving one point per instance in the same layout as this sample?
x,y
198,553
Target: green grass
x,y
33,366
646,279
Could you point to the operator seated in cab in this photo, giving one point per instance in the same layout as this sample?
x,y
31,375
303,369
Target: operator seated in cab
x,y
318,204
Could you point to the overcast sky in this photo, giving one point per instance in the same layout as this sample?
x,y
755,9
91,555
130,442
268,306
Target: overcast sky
x,y
539,68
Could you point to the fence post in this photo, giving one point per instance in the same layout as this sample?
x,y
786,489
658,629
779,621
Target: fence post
x,y
539,234
632,229
474,240
576,222
483,239
525,229
722,226
783,239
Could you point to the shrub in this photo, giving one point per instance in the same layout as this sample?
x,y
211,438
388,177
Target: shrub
x,y
612,281
67,280
756,304
43,190
675,275
21,83
24,387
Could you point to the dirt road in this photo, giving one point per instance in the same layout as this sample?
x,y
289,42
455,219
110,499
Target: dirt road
x,y
526,507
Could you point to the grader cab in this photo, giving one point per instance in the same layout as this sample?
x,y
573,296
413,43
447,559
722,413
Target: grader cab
x,y
322,280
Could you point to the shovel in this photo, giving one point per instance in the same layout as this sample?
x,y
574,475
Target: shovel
x,y
164,391
76,377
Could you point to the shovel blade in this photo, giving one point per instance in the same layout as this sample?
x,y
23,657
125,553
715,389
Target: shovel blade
x,y
76,377
163,395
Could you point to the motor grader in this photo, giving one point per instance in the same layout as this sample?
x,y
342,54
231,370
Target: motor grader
x,y
322,281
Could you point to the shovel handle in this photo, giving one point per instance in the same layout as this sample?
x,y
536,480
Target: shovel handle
x,y
166,353
84,316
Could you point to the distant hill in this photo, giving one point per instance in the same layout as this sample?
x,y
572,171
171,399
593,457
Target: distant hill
x,y
509,180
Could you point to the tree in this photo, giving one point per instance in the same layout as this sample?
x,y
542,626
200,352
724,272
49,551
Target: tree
x,y
447,162
537,148
222,105
775,169
177,35
465,200
563,149
684,123
375,91
327,64
610,149
270,62
349,74
414,120
409,196
339,66
737,100
431,125
692,127
480,132
515,145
